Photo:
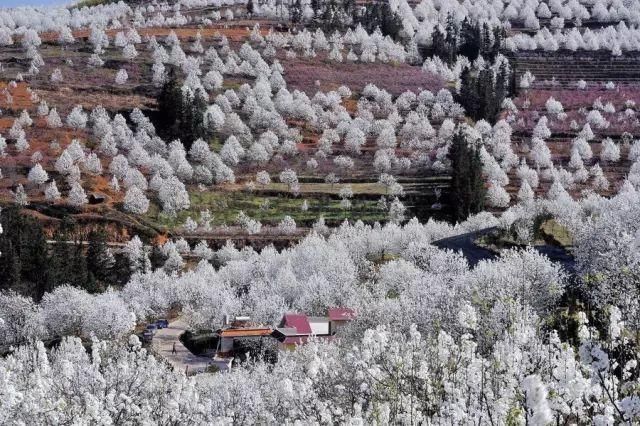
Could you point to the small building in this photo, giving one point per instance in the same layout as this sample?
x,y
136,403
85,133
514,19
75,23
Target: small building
x,y
293,330
298,322
241,336
320,326
296,329
229,336
288,340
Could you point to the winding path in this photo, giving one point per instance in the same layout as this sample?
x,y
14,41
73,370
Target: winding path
x,y
465,243
182,360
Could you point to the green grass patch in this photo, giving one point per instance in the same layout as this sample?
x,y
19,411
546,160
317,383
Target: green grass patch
x,y
234,85
547,231
215,145
326,188
225,206
200,342
556,234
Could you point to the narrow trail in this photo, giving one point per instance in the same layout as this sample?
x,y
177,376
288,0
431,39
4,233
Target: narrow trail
x,y
465,243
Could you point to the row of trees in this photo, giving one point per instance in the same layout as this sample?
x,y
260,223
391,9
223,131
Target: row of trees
x,y
339,15
330,15
181,113
467,38
483,88
378,14
467,185
484,84
33,266
483,344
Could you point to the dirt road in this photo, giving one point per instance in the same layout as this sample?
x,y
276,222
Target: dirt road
x,y
182,359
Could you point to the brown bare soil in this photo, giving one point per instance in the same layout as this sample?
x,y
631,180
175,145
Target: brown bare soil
x,y
304,74
236,32
90,100
90,87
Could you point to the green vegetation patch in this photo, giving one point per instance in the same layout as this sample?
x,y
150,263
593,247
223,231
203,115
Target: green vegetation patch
x,y
327,188
201,342
268,209
556,234
547,231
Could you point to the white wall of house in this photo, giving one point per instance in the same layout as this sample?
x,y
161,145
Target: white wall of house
x,y
319,326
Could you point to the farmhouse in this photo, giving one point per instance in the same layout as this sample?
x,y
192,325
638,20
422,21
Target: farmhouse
x,y
241,335
230,336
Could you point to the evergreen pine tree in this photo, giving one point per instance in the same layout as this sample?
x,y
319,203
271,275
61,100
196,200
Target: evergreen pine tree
x,y
467,187
316,6
390,23
121,270
331,16
470,40
180,118
487,95
24,262
198,108
481,92
156,258
10,266
80,276
99,263
61,254
35,258
499,34
295,12
451,39
170,107
486,42
468,96
438,47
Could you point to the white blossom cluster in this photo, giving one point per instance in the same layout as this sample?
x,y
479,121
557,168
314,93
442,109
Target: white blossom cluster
x,y
476,349
252,120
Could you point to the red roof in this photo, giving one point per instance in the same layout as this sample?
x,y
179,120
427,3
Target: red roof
x,y
341,314
298,321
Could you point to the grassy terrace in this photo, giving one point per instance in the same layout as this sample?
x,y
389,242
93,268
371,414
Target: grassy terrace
x,y
269,209
366,188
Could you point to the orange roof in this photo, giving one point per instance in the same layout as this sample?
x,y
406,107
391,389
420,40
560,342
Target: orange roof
x,y
244,332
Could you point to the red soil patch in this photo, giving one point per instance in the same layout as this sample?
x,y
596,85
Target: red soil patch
x,y
19,93
233,33
302,74
64,99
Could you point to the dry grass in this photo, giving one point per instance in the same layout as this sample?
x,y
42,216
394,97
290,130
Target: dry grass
x,y
236,33
303,74
317,188
21,98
